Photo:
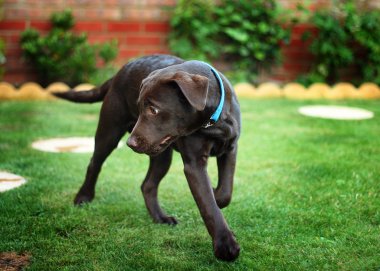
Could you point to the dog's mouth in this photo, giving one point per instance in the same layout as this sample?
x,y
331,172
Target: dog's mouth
x,y
166,141
140,145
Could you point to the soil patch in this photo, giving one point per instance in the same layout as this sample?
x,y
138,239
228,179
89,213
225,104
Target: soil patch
x,y
11,261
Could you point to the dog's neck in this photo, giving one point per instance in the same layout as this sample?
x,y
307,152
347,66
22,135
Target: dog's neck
x,y
218,111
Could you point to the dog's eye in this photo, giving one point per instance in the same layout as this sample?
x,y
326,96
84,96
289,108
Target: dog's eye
x,y
153,110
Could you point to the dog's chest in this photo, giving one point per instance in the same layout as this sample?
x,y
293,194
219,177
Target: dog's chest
x,y
221,146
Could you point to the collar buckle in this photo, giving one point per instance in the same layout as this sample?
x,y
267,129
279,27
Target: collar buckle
x,y
209,124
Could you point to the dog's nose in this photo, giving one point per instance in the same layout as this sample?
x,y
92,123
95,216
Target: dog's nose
x,y
132,142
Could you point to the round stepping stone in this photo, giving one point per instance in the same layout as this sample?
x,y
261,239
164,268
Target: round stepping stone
x,y
335,112
67,144
10,181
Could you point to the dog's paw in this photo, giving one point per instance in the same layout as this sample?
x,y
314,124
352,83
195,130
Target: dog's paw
x,y
81,199
170,220
222,200
226,248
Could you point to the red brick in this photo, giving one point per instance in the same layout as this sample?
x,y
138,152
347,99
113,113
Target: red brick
x,y
12,25
298,43
31,2
296,54
161,27
89,26
145,14
320,5
160,2
111,2
93,12
294,67
157,51
15,13
128,53
14,63
14,78
112,14
11,2
13,52
104,37
40,14
299,30
143,40
41,25
11,38
124,26
100,13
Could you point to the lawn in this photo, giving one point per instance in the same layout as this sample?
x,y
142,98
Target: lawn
x,y
307,195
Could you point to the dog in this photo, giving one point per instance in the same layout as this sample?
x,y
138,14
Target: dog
x,y
169,104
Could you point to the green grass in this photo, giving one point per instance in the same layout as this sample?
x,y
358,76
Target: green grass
x,y
307,195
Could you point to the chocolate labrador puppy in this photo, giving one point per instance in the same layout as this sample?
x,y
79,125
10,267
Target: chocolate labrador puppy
x,y
167,103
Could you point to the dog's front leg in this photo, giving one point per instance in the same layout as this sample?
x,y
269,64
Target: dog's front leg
x,y
195,154
158,167
226,170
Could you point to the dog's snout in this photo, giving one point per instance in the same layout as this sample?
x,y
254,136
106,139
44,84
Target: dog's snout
x,y
137,143
132,142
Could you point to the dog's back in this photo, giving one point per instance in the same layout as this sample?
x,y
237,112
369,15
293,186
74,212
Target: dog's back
x,y
128,79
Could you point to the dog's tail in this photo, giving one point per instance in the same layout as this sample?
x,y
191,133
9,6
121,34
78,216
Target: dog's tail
x,y
87,96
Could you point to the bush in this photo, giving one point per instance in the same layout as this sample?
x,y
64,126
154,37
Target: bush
x,y
244,32
348,39
63,55
365,30
193,27
250,33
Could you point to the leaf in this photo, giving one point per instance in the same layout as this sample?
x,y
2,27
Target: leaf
x,y
237,34
259,55
263,27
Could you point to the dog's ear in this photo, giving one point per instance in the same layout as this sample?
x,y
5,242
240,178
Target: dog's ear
x,y
194,87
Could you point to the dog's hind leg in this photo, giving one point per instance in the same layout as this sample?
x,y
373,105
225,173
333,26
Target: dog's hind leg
x,y
226,169
111,128
158,167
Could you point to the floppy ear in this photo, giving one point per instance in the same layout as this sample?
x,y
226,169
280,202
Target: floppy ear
x,y
194,87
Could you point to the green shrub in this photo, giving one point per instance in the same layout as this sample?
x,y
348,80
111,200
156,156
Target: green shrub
x,y
193,26
365,30
62,55
346,39
250,33
62,20
330,48
246,33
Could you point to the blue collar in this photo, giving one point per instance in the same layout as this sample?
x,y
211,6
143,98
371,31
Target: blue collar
x,y
215,116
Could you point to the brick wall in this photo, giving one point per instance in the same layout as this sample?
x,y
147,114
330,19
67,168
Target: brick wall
x,y
140,26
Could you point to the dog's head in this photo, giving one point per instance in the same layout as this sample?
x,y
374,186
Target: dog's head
x,y
170,106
